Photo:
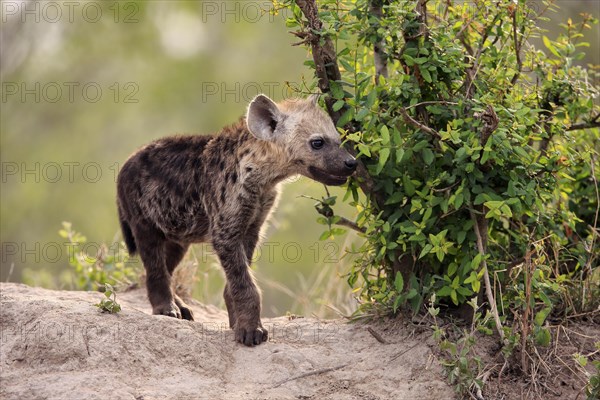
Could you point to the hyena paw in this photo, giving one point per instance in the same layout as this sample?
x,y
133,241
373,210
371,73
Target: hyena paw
x,y
169,309
251,335
186,311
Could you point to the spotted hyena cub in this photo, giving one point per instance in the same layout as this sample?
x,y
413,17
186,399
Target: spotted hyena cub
x,y
220,189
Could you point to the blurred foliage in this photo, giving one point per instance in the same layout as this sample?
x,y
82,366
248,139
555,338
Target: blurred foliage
x,y
475,131
110,266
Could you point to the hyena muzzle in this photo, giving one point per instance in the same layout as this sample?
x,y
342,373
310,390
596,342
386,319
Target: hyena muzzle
x,y
220,189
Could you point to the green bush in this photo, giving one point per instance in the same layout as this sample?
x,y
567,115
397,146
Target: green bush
x,y
464,127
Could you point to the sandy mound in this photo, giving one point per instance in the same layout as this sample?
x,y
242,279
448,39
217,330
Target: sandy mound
x,y
56,345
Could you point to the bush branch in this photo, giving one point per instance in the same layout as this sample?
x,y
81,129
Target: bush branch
x,y
323,52
517,43
350,224
410,120
593,123
327,70
486,276
376,9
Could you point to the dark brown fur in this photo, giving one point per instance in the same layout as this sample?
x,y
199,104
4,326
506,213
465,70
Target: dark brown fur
x,y
220,189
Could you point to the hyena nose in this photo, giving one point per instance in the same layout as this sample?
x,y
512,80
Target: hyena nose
x,y
351,163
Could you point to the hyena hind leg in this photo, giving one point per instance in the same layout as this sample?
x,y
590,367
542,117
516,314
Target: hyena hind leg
x,y
174,254
152,248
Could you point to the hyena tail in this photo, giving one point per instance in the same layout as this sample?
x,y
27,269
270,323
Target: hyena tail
x,y
128,236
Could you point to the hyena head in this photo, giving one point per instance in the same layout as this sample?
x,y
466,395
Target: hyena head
x,y
306,133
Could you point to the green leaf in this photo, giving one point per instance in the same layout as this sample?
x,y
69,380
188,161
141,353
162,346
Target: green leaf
x,y
385,135
427,156
444,292
347,66
420,146
452,269
454,297
506,211
336,90
458,200
399,299
541,316
542,337
364,149
325,235
440,254
371,99
399,154
550,46
408,60
409,187
399,282
426,75
460,236
384,154
475,285
337,106
346,117
425,250
471,278
362,114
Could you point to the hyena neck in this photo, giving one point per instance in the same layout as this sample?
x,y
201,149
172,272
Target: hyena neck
x,y
267,162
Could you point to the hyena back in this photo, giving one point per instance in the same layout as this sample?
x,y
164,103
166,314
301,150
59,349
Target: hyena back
x,y
220,189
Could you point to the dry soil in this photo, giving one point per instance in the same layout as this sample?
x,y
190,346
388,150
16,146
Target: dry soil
x,y
57,345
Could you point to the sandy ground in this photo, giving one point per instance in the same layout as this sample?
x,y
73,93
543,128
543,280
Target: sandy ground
x,y
57,345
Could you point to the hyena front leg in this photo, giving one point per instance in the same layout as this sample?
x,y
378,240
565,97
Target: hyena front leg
x,y
241,293
230,306
250,240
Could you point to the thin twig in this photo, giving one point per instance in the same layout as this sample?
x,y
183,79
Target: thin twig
x,y
350,224
307,374
594,230
525,321
585,314
379,55
343,221
593,123
410,120
404,352
486,278
518,45
426,103
377,335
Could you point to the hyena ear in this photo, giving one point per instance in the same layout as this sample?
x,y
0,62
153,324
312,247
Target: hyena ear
x,y
263,116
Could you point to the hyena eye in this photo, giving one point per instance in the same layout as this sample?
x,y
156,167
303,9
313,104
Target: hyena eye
x,y
317,144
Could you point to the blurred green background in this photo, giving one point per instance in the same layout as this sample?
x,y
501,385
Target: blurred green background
x,y
86,83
